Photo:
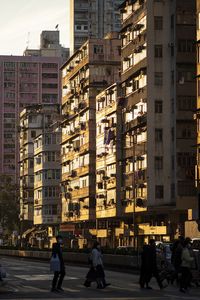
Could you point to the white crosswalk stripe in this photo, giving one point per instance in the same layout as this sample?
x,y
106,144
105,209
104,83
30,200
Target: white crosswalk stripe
x,y
37,277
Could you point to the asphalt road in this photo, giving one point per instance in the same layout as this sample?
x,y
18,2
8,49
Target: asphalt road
x,y
29,279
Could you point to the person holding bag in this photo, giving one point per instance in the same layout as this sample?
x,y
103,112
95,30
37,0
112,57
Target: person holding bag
x,y
97,263
57,265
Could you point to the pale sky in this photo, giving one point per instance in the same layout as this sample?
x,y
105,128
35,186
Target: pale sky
x,y
22,21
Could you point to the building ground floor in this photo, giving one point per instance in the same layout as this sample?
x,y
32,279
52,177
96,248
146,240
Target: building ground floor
x,y
132,230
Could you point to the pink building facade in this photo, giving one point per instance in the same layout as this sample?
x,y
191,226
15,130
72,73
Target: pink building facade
x,y
24,80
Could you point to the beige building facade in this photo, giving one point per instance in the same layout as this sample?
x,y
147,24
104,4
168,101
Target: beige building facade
x,y
34,121
109,208
158,83
92,68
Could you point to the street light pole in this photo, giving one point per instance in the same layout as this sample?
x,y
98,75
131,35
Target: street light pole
x,y
133,190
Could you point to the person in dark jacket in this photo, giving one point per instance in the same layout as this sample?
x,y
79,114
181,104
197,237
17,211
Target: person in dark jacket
x,y
144,272
58,276
151,267
186,264
176,260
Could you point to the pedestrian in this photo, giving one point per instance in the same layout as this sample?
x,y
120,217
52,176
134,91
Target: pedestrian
x,y
144,273
151,267
176,260
186,264
58,275
96,272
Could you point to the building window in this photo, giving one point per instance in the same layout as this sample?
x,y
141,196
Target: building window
x,y
158,106
159,192
158,50
33,134
172,190
184,76
78,27
186,133
158,162
186,188
158,135
186,46
98,49
172,21
158,22
186,160
158,78
186,103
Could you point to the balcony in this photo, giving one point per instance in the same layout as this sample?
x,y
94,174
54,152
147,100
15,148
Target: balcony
x,y
82,170
136,123
73,71
68,156
71,134
138,41
71,174
106,212
130,206
80,192
43,148
84,148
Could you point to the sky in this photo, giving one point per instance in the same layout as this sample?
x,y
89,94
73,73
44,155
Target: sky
x,y
22,21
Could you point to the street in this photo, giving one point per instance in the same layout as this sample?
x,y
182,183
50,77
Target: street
x,y
28,279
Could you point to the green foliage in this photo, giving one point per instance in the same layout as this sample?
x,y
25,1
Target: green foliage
x,y
9,208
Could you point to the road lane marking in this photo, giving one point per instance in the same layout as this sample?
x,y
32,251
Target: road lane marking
x,y
45,277
35,288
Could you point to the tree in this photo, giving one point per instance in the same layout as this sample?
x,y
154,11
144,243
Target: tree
x,y
9,207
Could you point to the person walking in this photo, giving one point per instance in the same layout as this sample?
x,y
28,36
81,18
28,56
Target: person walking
x,y
151,267
58,275
144,270
176,260
186,264
96,272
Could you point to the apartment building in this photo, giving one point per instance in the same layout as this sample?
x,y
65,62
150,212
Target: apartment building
x,y
159,99
47,175
92,19
90,70
192,226
24,80
49,46
109,208
35,120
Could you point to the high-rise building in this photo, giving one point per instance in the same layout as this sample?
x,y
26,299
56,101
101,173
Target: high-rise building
x,y
159,93
49,46
91,69
32,78
193,224
23,80
39,162
109,207
92,19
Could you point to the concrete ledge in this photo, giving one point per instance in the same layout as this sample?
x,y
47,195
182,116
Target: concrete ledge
x,y
122,261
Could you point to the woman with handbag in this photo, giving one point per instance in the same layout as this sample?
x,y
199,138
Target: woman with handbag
x,y
57,265
96,272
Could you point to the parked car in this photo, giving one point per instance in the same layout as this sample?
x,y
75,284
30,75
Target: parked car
x,y
196,244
